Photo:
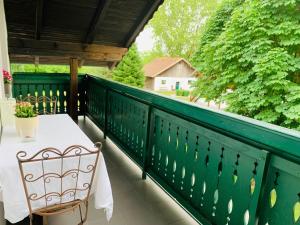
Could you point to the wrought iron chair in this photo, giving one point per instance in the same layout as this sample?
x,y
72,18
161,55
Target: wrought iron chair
x,y
50,202
42,104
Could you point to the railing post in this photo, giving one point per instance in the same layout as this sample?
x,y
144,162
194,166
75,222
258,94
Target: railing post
x,y
106,113
73,88
260,203
84,92
148,141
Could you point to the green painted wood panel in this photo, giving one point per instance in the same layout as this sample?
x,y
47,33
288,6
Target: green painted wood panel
x,y
275,139
215,165
95,103
281,201
208,171
127,124
50,85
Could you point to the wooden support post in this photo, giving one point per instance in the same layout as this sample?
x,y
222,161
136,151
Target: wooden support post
x,y
106,113
150,129
73,89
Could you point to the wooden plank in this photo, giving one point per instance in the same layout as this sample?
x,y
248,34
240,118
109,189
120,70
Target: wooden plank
x,y
53,60
73,89
67,47
94,52
79,21
101,9
142,20
39,18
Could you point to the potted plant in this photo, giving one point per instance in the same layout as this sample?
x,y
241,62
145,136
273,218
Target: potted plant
x,y
7,83
26,120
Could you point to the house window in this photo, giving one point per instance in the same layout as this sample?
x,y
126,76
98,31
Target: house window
x,y
163,81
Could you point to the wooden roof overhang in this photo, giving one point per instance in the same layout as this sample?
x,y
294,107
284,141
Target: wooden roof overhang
x,y
97,32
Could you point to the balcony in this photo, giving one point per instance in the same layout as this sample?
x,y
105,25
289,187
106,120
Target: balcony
x,y
219,167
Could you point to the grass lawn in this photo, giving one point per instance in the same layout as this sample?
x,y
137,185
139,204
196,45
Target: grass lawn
x,y
168,93
173,95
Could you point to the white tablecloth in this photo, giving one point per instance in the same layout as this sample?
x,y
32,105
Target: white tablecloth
x,y
58,131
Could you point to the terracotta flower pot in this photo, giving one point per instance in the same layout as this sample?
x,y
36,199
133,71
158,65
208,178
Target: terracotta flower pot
x,y
7,90
27,127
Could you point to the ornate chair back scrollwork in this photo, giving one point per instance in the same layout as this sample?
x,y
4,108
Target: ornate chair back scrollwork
x,y
42,104
56,182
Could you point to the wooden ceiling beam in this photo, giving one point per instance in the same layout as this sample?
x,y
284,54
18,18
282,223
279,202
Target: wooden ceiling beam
x,y
94,52
142,20
52,60
39,18
101,9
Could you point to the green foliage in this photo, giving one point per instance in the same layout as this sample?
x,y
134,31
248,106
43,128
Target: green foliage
x,y
148,56
96,71
40,68
184,93
24,110
253,48
177,26
93,70
130,69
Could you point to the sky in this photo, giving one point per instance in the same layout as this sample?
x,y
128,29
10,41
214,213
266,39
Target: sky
x,y
145,40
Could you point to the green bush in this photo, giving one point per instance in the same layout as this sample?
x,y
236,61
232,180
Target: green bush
x,y
178,92
182,93
185,93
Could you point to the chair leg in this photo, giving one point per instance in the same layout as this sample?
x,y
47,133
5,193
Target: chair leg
x,y
83,220
80,212
86,211
30,219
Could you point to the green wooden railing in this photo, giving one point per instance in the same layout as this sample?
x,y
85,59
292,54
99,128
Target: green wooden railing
x,y
222,168
45,84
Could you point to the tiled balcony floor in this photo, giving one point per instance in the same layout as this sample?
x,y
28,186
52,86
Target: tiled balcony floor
x,y
136,201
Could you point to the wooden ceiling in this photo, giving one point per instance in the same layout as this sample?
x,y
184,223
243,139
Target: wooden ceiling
x,y
98,32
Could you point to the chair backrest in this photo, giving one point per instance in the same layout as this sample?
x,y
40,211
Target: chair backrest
x,y
41,104
54,181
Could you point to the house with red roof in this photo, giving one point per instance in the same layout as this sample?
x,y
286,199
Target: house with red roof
x,y
169,73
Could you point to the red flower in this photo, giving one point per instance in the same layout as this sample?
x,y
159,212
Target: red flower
x,y
6,76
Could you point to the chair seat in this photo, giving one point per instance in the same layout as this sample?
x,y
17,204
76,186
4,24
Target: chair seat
x,y
58,208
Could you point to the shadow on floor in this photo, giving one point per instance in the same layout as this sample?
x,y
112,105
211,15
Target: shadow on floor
x,y
136,201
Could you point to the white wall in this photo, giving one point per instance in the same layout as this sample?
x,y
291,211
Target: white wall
x,y
4,64
4,59
171,83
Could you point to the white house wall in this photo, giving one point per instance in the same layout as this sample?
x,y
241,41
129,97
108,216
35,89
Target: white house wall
x,y
4,59
181,69
170,83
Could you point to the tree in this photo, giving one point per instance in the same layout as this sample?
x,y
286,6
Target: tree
x,y
130,69
177,26
148,56
93,70
256,54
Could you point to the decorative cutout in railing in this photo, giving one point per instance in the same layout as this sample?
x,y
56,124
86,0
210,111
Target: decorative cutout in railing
x,y
54,85
281,201
219,177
